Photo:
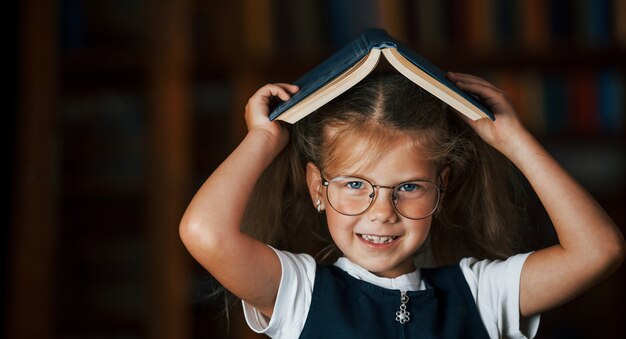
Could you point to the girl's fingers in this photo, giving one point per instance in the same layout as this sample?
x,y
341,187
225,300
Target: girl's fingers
x,y
464,76
283,91
277,91
468,78
289,87
482,90
497,133
272,90
495,99
257,108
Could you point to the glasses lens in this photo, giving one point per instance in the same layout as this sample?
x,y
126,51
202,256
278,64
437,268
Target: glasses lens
x,y
350,195
416,199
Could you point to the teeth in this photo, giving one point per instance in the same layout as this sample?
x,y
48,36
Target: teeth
x,y
376,239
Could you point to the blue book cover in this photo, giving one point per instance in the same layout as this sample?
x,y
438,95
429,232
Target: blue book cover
x,y
355,51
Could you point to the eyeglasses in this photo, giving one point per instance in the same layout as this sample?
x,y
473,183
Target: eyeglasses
x,y
416,199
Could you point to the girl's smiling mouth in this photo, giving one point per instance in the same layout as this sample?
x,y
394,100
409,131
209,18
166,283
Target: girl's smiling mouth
x,y
378,241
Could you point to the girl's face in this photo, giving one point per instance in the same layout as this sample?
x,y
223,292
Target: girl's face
x,y
359,237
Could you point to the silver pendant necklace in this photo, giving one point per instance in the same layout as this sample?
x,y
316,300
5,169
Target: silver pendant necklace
x,y
402,316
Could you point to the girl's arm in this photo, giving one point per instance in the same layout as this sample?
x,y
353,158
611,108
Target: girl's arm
x,y
210,227
590,245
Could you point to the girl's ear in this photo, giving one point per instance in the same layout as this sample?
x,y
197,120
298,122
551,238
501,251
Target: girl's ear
x,y
314,182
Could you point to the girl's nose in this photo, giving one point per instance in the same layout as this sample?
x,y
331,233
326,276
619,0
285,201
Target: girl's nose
x,y
381,210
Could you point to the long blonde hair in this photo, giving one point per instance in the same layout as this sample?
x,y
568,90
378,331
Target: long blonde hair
x,y
481,214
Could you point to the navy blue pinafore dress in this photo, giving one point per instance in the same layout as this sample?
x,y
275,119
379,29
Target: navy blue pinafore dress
x,y
345,307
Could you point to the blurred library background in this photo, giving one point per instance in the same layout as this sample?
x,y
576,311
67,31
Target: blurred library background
x,y
121,109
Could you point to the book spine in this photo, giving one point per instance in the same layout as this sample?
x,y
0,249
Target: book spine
x,y
561,21
340,22
479,26
391,17
431,22
536,34
597,24
457,23
506,23
533,96
619,21
583,97
509,82
555,104
611,93
307,26
586,103
258,30
347,22
285,34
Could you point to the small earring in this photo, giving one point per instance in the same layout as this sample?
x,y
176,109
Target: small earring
x,y
319,206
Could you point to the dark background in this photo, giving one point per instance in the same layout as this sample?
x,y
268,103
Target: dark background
x,y
119,109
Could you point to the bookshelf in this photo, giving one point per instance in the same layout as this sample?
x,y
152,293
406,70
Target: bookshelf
x,y
135,86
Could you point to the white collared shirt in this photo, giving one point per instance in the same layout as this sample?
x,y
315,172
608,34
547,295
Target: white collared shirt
x,y
494,285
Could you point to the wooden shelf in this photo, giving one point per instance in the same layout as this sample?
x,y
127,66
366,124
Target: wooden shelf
x,y
109,54
567,58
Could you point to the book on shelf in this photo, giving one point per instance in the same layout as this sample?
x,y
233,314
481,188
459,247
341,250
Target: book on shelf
x,y
355,61
583,103
611,89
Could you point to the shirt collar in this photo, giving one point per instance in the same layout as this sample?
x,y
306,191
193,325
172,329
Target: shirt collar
x,y
407,282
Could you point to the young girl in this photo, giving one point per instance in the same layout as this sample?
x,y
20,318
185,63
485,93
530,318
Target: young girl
x,y
399,183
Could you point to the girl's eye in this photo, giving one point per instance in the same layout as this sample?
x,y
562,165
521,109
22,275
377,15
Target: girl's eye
x,y
355,184
409,187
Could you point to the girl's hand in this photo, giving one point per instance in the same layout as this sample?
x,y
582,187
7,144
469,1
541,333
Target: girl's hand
x,y
507,131
257,111
590,245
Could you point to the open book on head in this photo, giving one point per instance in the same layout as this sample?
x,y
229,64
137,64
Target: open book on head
x,y
355,61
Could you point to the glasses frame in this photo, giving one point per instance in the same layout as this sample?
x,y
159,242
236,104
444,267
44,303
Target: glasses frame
x,y
440,190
